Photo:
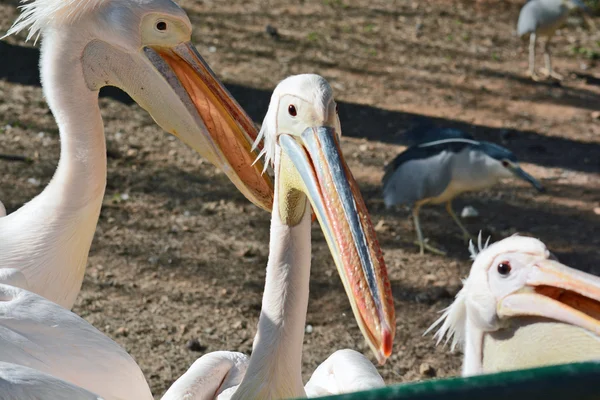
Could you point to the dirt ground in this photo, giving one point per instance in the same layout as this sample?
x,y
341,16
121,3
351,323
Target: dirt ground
x,y
179,254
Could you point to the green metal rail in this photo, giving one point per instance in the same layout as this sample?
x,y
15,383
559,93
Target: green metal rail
x,y
579,381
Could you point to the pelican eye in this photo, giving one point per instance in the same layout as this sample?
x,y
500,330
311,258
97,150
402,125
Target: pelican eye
x,y
292,110
161,25
504,268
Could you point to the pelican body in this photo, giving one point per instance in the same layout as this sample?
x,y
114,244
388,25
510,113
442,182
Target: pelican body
x,y
142,47
301,134
43,336
22,383
520,308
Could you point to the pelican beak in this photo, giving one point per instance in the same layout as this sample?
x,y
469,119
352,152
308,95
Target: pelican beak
x,y
312,163
557,292
519,173
220,129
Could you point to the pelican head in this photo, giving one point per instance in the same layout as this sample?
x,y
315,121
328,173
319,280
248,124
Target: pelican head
x,y
519,307
144,48
301,133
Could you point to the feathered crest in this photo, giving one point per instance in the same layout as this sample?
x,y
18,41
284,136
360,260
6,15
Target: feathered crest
x,y
454,317
267,135
313,88
480,248
453,321
37,14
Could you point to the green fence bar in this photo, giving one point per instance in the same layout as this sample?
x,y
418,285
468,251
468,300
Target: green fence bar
x,y
579,381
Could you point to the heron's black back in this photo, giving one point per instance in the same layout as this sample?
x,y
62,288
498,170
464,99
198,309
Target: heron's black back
x,y
426,132
427,150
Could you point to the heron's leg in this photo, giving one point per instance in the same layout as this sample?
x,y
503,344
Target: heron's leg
x,y
420,241
466,233
532,43
548,61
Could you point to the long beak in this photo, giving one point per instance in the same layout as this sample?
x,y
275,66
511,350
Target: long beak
x,y
343,216
519,173
557,292
224,133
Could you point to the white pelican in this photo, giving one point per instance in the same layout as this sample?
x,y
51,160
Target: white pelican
x,y
344,371
519,308
142,47
301,133
22,383
41,335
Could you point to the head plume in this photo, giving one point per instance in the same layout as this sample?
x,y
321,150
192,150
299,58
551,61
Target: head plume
x,y
313,85
37,14
452,323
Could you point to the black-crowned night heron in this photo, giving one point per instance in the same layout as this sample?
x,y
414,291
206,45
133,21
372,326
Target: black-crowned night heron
x,y
543,18
437,171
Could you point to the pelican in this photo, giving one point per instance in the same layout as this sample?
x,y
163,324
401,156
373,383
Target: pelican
x,y
344,371
43,336
18,382
301,139
520,308
144,48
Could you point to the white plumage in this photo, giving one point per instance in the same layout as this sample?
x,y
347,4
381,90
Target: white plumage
x,y
298,106
520,308
88,44
21,383
345,371
41,335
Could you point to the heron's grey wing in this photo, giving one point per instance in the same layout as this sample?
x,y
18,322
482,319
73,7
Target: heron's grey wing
x,y
417,179
22,383
40,334
528,17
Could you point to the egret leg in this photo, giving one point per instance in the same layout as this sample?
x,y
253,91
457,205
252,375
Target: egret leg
x,y
532,43
466,233
420,241
548,60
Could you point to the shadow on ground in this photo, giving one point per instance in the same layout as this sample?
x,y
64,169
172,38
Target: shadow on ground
x,y
362,121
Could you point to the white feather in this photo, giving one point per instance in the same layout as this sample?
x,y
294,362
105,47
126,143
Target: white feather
x,y
36,15
22,383
453,322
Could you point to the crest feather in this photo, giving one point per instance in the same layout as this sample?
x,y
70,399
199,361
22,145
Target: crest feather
x,y
452,323
37,14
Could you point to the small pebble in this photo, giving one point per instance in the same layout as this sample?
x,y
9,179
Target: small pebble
x,y
426,370
34,181
239,324
308,329
382,226
195,345
122,331
212,49
124,196
272,31
469,212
